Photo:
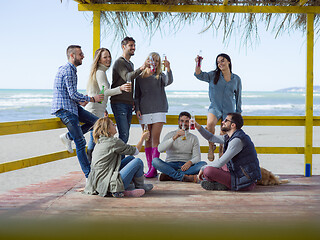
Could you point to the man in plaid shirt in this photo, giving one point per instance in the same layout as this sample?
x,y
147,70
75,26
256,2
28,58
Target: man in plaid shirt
x,y
66,105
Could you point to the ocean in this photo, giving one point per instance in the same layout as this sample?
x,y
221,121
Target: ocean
x,y
31,104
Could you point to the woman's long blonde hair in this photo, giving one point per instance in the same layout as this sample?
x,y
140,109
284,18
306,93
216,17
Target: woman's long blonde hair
x,y
101,128
92,85
158,67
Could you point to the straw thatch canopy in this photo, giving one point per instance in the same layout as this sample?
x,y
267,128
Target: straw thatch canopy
x,y
244,25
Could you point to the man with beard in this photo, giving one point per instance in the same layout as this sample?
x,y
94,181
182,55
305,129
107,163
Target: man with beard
x,y
66,105
239,155
123,72
183,154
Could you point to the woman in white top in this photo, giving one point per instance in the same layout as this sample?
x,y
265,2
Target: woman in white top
x,y
98,79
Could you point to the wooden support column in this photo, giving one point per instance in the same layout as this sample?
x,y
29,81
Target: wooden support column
x,y
96,30
309,97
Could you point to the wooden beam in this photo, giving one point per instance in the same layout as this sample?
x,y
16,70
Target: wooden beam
x,y
309,96
303,2
225,2
197,8
81,1
7,128
96,30
33,161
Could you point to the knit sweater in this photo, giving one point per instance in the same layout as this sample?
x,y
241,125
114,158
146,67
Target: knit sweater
x,y
150,95
122,72
181,150
101,78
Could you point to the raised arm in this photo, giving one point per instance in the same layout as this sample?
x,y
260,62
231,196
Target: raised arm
x,y
208,135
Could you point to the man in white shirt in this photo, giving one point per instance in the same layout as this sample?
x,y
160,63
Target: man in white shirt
x,y
183,161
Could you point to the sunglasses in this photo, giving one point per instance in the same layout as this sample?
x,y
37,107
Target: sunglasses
x,y
227,120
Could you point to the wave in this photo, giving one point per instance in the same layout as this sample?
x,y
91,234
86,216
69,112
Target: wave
x,y
194,95
272,107
25,102
29,96
251,96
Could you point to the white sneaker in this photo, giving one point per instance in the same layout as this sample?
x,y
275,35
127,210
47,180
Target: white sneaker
x,y
66,142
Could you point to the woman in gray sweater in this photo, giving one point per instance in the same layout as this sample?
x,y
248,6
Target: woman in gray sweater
x,y
109,175
151,104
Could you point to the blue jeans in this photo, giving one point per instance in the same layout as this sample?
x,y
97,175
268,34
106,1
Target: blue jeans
x,y
123,115
76,132
173,169
91,143
130,167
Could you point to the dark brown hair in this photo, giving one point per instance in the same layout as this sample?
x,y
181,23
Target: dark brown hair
x,y
217,76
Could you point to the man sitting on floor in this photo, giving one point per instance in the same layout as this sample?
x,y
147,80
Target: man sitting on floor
x,y
183,154
239,155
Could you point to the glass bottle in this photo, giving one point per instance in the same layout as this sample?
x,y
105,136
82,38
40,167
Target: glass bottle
x,y
184,137
101,92
152,64
199,59
145,129
129,82
192,125
164,57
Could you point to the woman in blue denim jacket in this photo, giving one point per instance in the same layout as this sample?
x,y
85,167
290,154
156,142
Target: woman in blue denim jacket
x,y
224,93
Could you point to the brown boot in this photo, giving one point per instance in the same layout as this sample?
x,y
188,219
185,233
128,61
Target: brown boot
x,y
190,178
212,147
164,177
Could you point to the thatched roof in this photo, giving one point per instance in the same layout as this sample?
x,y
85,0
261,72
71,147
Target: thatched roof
x,y
243,24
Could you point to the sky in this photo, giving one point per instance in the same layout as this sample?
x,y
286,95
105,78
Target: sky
x,y
34,35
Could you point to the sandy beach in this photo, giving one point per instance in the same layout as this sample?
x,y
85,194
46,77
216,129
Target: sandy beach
x,y
19,146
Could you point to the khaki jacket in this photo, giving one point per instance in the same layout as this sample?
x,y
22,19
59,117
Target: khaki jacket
x,y
105,176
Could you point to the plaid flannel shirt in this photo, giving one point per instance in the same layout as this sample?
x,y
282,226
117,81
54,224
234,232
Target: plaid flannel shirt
x,y
65,94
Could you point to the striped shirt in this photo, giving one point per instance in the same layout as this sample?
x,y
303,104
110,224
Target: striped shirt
x,y
65,94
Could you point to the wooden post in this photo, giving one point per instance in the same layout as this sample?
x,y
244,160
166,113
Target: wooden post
x,y
96,30
309,97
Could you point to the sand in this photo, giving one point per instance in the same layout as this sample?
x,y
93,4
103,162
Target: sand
x,y
19,146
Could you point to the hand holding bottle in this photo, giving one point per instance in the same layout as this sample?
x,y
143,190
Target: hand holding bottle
x,y
184,137
166,64
101,92
164,57
98,98
146,132
126,87
199,59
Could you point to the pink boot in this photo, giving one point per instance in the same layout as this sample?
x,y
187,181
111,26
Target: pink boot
x,y
153,172
148,152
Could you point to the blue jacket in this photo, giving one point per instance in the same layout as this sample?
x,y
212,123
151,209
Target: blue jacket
x,y
224,96
244,167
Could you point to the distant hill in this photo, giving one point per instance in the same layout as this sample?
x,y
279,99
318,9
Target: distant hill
x,y
298,89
